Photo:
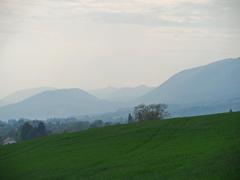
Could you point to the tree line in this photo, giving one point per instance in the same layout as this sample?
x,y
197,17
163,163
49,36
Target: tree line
x,y
33,130
25,129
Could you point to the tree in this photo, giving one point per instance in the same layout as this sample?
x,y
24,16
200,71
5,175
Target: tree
x,y
97,123
41,129
130,118
26,131
150,112
30,130
139,112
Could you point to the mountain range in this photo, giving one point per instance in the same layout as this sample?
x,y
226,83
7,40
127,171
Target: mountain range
x,y
211,88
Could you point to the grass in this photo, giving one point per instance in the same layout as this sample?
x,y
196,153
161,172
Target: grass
x,y
202,147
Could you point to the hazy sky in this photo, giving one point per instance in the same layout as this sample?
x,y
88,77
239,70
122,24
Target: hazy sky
x,y
97,43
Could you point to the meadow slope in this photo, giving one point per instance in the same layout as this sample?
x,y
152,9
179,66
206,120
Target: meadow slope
x,y
203,147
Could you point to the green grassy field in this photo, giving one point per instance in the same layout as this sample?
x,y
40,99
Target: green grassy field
x,y
203,147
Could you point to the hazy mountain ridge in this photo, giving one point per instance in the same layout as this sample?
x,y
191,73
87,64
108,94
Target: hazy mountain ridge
x,y
123,94
23,94
206,89
57,103
213,82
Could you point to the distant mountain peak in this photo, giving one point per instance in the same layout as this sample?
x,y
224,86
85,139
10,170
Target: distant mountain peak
x,y
23,94
211,82
57,103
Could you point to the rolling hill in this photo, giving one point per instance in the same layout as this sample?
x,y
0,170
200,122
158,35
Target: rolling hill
x,y
203,147
57,103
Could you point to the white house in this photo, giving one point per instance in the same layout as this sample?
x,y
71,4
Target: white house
x,y
8,140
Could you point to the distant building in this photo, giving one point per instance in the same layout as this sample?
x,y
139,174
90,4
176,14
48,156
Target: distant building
x,y
8,140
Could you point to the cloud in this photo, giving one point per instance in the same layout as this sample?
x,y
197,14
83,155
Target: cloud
x,y
16,15
155,11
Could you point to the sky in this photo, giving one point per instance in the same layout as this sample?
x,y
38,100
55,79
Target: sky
x,y
92,44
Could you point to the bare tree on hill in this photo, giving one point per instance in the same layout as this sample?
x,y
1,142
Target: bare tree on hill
x,y
144,112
